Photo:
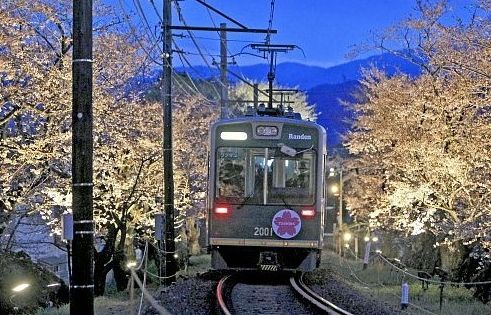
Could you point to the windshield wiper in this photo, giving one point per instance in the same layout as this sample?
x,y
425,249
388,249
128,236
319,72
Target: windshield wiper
x,y
246,199
285,203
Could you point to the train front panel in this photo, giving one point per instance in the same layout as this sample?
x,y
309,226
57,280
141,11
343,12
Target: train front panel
x,y
265,194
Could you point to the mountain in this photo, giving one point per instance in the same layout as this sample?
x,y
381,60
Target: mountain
x,y
332,114
325,87
306,77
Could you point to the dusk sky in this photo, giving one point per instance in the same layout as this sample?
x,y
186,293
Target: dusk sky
x,y
325,30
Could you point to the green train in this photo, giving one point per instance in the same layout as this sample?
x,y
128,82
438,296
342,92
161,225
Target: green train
x,y
266,192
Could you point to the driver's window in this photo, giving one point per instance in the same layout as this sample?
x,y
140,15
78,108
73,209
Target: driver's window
x,y
231,172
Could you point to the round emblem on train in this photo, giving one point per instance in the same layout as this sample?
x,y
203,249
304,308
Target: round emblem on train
x,y
286,223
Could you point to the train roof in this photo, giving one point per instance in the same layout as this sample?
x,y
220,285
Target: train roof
x,y
265,119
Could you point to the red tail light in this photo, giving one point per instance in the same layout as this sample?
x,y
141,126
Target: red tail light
x,y
308,213
221,210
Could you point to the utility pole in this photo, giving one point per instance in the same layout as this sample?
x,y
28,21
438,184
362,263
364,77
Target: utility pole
x,y
82,281
224,110
169,243
169,246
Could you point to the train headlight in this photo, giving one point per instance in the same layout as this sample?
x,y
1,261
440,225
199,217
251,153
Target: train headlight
x,y
233,135
267,131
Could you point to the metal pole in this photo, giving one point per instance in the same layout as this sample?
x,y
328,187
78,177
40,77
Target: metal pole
x,y
82,281
340,210
223,72
270,80
170,247
356,247
256,95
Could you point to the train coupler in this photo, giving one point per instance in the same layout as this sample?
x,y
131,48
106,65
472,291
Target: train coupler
x,y
268,261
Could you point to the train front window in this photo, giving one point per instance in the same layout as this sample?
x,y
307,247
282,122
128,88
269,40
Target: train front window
x,y
231,169
265,176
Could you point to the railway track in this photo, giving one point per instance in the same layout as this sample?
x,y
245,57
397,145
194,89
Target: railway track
x,y
235,296
224,289
320,303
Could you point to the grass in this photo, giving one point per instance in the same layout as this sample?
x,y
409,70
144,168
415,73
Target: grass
x,y
115,302
380,282
377,281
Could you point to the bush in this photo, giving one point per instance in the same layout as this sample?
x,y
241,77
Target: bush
x,y
17,268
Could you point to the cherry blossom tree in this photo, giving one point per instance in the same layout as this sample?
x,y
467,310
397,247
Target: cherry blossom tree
x,y
242,93
421,145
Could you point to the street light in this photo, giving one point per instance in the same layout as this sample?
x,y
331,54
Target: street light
x,y
20,287
17,289
347,236
335,190
131,264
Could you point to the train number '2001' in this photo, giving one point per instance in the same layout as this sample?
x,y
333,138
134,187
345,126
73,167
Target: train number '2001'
x,y
263,231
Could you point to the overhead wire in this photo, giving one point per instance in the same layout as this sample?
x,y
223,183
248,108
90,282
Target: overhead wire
x,y
173,70
181,57
184,60
149,34
242,77
228,50
181,18
132,29
200,52
143,17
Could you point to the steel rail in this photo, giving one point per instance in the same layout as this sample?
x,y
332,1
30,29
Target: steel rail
x,y
221,287
315,299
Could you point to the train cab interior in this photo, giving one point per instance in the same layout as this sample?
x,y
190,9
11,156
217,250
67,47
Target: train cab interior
x,y
265,176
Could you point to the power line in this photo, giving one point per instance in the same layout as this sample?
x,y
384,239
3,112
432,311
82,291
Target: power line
x,y
181,18
216,39
183,60
142,16
148,53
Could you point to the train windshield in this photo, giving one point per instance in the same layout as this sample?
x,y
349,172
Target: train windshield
x,y
265,176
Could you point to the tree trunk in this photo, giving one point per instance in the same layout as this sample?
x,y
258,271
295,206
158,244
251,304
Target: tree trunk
x,y
452,256
104,261
120,259
121,275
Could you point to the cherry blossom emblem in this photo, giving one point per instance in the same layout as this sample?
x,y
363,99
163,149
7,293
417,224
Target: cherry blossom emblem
x,y
286,223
